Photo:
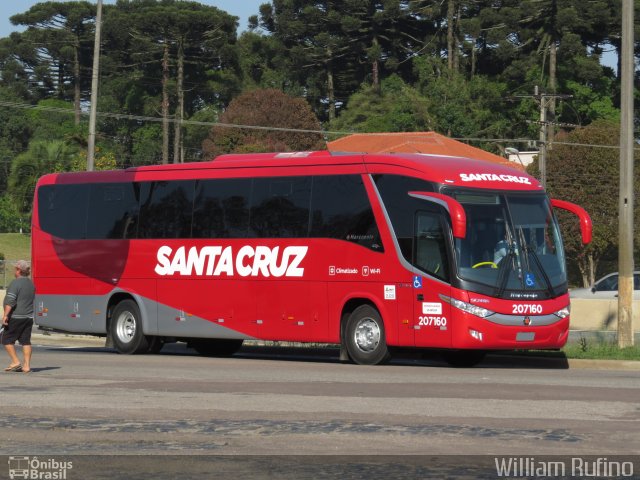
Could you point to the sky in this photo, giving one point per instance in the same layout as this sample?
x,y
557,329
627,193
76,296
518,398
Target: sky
x,y
240,8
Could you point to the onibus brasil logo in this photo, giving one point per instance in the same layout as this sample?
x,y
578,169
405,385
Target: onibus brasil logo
x,y
38,469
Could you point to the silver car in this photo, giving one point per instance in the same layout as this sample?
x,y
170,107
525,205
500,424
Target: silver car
x,y
606,288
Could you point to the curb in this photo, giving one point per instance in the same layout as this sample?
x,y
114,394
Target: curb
x,y
583,363
66,340
498,359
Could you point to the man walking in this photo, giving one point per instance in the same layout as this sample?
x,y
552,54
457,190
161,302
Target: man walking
x,y
18,317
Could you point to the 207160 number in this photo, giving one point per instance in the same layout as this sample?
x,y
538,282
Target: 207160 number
x,y
428,321
526,308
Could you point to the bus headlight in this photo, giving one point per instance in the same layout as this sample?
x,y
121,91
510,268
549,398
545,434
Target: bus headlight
x,y
563,313
467,307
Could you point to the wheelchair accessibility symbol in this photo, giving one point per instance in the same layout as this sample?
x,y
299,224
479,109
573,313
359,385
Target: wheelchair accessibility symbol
x,y
529,280
417,281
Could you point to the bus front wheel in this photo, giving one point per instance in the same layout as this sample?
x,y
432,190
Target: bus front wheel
x,y
365,338
126,329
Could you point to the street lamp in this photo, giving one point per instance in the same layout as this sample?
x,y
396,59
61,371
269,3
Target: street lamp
x,y
514,151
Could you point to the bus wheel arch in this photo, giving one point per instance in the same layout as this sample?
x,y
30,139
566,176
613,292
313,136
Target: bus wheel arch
x,y
124,325
362,333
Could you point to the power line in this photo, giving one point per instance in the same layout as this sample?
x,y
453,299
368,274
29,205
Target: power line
x,y
144,118
125,116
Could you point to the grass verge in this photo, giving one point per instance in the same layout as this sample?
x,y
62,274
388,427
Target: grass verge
x,y
600,351
15,246
589,350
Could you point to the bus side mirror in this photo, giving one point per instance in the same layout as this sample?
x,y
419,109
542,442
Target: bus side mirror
x,y
586,227
455,209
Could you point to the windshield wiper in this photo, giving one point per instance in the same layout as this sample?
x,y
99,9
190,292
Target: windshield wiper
x,y
529,251
525,251
511,259
503,270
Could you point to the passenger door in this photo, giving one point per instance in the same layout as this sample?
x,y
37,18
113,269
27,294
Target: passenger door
x,y
432,316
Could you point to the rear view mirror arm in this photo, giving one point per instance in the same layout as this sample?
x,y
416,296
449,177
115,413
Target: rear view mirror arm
x,y
586,227
455,209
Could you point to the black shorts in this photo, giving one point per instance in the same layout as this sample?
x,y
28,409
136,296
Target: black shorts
x,y
19,329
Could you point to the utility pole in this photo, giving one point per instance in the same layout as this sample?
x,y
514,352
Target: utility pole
x,y
546,101
625,204
91,141
542,148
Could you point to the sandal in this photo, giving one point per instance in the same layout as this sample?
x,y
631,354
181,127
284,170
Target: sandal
x,y
15,368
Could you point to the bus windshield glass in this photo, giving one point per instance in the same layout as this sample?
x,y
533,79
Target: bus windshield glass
x,y
512,247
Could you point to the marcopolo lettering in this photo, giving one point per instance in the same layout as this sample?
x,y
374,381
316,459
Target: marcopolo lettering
x,y
492,177
215,261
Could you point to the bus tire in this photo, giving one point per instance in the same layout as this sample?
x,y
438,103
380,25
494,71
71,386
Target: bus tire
x,y
126,329
209,347
463,358
365,338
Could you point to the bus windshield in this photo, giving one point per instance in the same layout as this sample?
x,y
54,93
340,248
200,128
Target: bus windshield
x,y
513,247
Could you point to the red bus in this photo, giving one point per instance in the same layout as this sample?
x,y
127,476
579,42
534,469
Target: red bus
x,y
369,252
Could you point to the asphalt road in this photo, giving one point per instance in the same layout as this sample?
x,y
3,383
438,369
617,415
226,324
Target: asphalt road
x,y
82,399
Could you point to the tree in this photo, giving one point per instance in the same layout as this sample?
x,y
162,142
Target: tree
x,y
168,58
15,131
53,119
200,31
10,218
589,177
461,107
336,46
312,32
265,63
60,34
15,126
195,134
42,157
190,47
269,108
385,35
394,107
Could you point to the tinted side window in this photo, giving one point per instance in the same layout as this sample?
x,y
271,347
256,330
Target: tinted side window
x,y
340,209
431,250
166,209
62,210
221,208
401,207
113,210
280,207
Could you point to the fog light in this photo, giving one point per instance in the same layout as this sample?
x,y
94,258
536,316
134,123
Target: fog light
x,y
475,334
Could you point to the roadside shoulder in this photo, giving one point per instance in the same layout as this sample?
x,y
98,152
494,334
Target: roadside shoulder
x,y
604,364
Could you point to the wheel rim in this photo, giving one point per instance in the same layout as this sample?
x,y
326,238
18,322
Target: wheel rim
x,y
367,335
126,327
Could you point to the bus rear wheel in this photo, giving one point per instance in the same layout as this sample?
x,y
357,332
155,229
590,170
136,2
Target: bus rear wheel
x,y
209,347
126,329
365,338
